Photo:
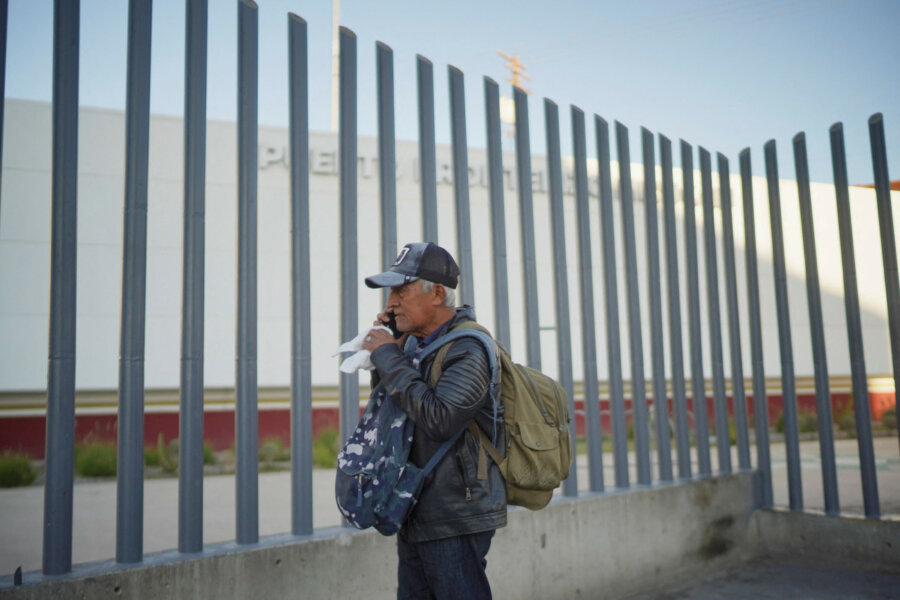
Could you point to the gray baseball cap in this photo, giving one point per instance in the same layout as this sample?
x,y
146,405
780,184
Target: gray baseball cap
x,y
420,260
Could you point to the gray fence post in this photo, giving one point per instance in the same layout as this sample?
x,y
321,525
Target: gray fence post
x,y
788,385
588,327
816,329
560,278
723,444
526,220
854,325
638,384
301,342
60,451
4,14
349,382
427,161
130,458
888,242
460,149
611,296
498,211
247,417
676,342
190,423
698,384
387,158
657,347
760,399
739,398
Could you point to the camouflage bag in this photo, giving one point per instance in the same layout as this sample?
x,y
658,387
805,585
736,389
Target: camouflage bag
x,y
376,485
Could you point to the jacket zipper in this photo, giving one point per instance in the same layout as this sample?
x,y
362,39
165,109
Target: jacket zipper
x,y
460,463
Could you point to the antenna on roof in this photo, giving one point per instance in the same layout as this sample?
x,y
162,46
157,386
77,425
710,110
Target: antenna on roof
x,y
517,69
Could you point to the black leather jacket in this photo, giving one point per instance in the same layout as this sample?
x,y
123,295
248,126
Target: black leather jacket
x,y
453,500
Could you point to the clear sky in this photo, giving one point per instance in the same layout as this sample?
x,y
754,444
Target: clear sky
x,y
722,74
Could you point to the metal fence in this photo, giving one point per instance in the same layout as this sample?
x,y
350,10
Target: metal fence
x,y
57,558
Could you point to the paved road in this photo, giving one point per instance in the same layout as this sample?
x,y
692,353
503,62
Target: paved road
x,y
766,580
21,509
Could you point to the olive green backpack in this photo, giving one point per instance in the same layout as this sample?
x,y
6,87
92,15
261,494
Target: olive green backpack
x,y
536,413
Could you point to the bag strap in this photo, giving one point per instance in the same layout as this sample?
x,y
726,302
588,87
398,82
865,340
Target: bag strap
x,y
486,446
437,456
471,329
442,346
453,335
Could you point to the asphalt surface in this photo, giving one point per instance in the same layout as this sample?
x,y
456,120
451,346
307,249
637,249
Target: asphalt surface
x,y
767,580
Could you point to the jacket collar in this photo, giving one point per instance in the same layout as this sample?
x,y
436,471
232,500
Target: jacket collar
x,y
463,313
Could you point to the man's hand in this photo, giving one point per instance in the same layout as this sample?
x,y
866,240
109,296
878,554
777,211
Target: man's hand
x,y
379,337
376,338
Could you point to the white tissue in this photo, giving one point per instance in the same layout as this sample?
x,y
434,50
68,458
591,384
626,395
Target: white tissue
x,y
361,359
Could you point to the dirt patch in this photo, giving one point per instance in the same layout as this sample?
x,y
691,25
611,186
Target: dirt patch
x,y
717,539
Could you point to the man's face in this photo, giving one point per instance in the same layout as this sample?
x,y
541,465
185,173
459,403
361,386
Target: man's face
x,y
413,308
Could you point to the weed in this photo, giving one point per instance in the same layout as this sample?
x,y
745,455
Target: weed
x,y
273,450
889,419
209,457
168,454
16,470
151,457
326,447
846,420
807,422
95,459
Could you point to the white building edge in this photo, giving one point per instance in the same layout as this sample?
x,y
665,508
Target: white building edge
x,y
25,257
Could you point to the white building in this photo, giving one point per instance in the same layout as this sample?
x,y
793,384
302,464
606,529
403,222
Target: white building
x,y
25,242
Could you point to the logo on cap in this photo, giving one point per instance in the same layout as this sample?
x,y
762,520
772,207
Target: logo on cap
x,y
401,256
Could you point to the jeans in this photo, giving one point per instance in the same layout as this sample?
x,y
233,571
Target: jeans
x,y
447,569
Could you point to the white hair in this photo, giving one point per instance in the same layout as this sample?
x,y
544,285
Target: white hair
x,y
449,296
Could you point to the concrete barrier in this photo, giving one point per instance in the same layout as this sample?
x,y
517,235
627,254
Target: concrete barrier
x,y
614,544
852,542
594,546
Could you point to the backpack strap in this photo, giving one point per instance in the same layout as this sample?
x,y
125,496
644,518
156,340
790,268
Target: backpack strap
x,y
486,446
471,329
442,347
439,454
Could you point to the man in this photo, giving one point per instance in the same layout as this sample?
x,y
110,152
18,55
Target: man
x,y
444,542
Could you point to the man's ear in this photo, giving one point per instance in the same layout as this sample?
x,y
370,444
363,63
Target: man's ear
x,y
440,292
